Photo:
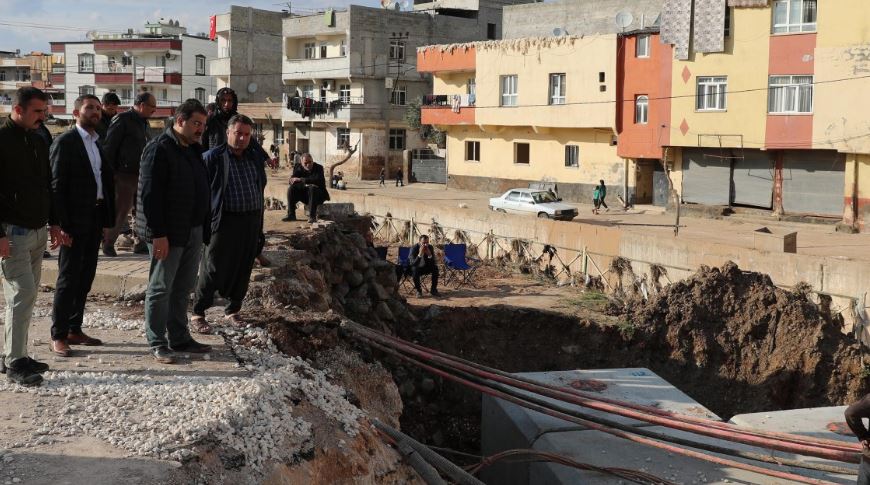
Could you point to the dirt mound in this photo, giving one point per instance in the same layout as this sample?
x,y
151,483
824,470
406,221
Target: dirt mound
x,y
741,328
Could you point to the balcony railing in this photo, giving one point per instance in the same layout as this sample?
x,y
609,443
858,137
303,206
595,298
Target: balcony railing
x,y
449,100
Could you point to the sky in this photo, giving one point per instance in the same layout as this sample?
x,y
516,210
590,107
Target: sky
x,y
30,25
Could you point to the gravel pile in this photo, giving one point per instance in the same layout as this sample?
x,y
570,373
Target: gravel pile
x,y
166,416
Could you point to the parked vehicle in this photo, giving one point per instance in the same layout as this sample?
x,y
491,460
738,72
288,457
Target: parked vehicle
x,y
529,201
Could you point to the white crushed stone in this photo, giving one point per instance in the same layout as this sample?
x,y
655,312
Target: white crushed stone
x,y
163,417
110,321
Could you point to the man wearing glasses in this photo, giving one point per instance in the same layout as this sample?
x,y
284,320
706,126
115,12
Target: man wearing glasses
x,y
173,215
123,147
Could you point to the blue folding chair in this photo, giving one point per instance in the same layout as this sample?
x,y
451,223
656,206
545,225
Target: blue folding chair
x,y
456,265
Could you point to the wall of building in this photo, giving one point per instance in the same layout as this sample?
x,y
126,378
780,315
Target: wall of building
x,y
577,17
651,77
532,61
745,63
75,79
497,172
190,81
255,44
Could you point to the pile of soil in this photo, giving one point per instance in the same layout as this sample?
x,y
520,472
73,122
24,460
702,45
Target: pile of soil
x,y
725,326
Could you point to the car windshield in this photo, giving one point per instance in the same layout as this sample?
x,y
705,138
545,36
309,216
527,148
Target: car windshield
x,y
543,197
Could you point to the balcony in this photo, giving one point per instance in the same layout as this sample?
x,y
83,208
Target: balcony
x,y
447,110
434,60
118,74
222,23
137,45
12,85
220,67
352,109
15,62
57,79
310,69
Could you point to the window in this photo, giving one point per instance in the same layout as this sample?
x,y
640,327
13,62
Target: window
x,y
342,136
342,48
160,61
344,93
278,134
2,75
521,153
126,61
308,50
472,151
164,95
200,65
86,63
641,49
397,139
711,93
727,21
509,90
199,94
491,32
307,90
794,16
641,110
471,86
514,196
397,50
323,51
86,90
557,89
791,94
398,95
126,96
572,156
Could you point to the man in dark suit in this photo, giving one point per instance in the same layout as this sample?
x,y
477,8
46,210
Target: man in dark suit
x,y
83,190
307,185
422,260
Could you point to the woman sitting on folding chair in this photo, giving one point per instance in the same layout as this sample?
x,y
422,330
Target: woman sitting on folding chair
x,y
423,262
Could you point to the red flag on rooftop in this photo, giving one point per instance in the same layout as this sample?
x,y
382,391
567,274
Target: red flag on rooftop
x,y
212,27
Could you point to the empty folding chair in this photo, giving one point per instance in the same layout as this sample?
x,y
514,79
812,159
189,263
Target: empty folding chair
x,y
456,265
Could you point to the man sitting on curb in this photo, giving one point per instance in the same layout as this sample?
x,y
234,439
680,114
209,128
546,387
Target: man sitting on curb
x,y
307,185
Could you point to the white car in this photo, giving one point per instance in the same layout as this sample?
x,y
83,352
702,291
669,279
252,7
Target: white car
x,y
530,201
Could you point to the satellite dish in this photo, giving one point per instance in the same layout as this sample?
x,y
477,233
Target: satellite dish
x,y
624,19
252,88
559,31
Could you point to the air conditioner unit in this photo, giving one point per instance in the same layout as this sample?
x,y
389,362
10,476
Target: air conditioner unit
x,y
170,56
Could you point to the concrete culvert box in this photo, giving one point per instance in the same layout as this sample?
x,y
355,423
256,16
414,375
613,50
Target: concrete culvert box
x,y
775,241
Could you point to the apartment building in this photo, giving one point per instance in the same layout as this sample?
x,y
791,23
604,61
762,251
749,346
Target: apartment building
x,y
14,74
765,108
162,59
518,111
350,74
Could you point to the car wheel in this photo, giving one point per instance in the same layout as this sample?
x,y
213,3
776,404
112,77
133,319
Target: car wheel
x,y
501,210
543,215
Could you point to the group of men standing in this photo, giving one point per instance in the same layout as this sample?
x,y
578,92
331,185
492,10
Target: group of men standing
x,y
79,191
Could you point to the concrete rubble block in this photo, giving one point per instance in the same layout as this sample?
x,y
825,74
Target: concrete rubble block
x,y
335,210
774,240
508,426
810,422
354,279
383,311
379,292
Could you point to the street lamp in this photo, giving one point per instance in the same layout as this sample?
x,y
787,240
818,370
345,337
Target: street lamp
x,y
133,77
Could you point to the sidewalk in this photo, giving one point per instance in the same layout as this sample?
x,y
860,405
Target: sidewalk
x,y
737,231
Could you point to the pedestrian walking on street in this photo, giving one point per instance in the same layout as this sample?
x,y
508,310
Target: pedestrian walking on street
x,y
855,415
82,186
110,103
123,147
25,210
596,199
383,178
173,215
237,178
602,193
400,178
307,185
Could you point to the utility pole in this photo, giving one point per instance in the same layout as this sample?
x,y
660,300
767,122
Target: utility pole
x,y
398,39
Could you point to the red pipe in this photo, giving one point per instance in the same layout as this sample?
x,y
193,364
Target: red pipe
x,y
729,435
595,426
821,442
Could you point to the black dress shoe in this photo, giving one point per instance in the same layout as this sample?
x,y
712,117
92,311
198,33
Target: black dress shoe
x,y
193,347
140,248
20,372
109,250
163,355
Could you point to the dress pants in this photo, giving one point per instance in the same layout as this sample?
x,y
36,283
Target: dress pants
x,y
21,273
126,185
417,272
307,194
228,261
76,267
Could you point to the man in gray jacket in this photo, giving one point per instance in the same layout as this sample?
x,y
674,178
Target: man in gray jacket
x,y
124,144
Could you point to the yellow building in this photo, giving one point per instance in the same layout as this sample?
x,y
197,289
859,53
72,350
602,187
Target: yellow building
x,y
774,119
527,110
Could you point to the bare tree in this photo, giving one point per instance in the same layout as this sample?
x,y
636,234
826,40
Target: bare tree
x,y
349,154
